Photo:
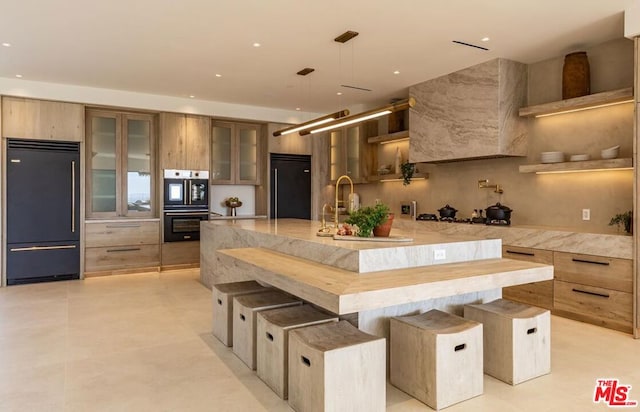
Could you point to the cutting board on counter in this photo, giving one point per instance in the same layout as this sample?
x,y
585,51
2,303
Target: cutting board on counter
x,y
374,239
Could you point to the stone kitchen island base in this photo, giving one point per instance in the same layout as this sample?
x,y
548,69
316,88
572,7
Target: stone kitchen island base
x,y
338,276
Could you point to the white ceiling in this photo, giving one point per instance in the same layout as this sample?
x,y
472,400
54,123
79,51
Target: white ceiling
x,y
175,47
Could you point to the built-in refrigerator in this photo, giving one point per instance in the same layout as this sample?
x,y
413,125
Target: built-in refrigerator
x,y
290,186
43,220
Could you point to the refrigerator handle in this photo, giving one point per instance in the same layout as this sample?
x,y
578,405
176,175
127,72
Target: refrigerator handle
x,y
73,196
276,193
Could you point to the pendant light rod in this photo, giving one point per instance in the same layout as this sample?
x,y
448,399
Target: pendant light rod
x,y
312,123
360,117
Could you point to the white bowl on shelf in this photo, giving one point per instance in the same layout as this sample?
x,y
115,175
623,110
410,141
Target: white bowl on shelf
x,y
579,157
610,153
552,157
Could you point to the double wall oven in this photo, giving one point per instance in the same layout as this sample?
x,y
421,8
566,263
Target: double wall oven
x,y
186,203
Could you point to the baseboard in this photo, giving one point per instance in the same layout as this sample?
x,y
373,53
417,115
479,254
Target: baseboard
x,y
128,271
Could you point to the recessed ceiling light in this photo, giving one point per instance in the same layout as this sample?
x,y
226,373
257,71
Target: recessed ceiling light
x,y
218,75
6,44
339,93
191,96
256,45
19,76
485,39
297,108
396,72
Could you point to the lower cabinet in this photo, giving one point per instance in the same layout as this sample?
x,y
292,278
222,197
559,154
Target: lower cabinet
x,y
594,289
537,293
121,246
180,254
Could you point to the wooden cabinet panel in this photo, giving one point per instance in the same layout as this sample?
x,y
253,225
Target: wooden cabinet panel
x,y
538,293
41,119
609,273
184,141
121,233
236,153
121,257
181,253
604,307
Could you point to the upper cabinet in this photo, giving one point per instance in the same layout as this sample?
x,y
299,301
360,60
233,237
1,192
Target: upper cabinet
x,y
120,164
470,114
235,153
42,119
184,141
350,153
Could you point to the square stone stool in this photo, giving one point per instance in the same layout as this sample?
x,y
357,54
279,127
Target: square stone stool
x,y
517,339
272,341
436,357
245,310
336,367
223,294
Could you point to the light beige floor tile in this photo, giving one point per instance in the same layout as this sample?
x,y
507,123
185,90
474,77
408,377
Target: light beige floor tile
x,y
32,347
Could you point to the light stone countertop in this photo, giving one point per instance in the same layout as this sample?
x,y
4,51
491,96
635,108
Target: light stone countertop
x,y
563,240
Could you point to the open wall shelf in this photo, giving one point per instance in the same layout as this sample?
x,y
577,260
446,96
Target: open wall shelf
x,y
579,103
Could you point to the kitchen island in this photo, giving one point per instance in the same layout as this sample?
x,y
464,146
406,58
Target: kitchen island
x,y
365,281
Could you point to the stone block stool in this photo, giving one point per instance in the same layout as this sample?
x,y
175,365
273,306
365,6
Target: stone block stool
x,y
436,357
245,310
336,367
517,339
272,341
223,294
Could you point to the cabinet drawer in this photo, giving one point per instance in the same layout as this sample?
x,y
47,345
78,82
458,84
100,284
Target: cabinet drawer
x,y
122,233
603,272
180,253
121,257
604,307
537,294
528,254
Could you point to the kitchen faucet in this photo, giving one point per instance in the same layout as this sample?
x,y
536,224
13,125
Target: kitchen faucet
x,y
337,201
484,184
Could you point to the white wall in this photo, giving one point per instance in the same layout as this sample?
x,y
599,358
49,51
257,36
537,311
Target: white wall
x,y
246,194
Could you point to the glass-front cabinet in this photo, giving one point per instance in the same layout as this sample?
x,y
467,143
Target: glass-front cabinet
x,y
119,164
235,153
348,154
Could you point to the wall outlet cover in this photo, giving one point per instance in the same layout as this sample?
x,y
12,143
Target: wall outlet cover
x,y
439,254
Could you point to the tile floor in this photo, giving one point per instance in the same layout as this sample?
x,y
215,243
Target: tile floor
x,y
143,343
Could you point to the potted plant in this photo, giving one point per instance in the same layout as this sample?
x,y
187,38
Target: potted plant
x,y
625,219
368,218
407,169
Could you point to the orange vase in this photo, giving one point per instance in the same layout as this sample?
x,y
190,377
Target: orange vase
x,y
384,229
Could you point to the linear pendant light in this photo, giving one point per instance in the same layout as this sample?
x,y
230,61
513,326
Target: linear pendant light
x,y
369,114
312,123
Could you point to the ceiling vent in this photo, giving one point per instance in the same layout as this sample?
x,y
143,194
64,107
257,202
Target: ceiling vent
x,y
355,87
470,45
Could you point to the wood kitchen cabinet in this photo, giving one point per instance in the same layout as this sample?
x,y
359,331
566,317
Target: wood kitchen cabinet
x,y
594,289
42,119
184,141
350,154
235,153
538,293
121,246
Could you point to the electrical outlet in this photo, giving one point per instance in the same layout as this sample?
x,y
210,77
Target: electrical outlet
x,y
586,214
439,254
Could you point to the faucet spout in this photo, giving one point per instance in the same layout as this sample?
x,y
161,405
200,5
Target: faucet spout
x,y
338,201
484,184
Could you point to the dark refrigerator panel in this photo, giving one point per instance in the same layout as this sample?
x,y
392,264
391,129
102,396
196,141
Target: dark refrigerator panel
x,y
43,220
290,186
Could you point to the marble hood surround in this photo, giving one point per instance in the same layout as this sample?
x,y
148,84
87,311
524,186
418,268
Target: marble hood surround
x,y
470,114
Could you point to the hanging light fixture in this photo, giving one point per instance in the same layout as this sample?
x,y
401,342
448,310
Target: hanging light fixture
x,y
302,127
361,117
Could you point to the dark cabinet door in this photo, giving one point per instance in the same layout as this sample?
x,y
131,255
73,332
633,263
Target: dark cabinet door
x,y
291,186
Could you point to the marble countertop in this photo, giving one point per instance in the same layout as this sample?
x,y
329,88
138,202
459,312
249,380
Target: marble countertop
x,y
298,238
562,240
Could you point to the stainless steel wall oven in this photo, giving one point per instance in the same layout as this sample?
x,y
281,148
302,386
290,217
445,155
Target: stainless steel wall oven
x,y
186,203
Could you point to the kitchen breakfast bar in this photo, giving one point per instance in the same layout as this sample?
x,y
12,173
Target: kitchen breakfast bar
x,y
365,282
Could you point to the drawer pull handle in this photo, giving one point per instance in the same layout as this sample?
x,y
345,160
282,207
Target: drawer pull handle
x,y
532,331
602,295
305,360
123,225
242,318
593,262
270,336
219,301
460,347
515,252
128,249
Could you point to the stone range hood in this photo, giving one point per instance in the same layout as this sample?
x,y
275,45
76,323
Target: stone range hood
x,y
470,114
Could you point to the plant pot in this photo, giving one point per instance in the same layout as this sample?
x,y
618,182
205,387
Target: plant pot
x,y
384,229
